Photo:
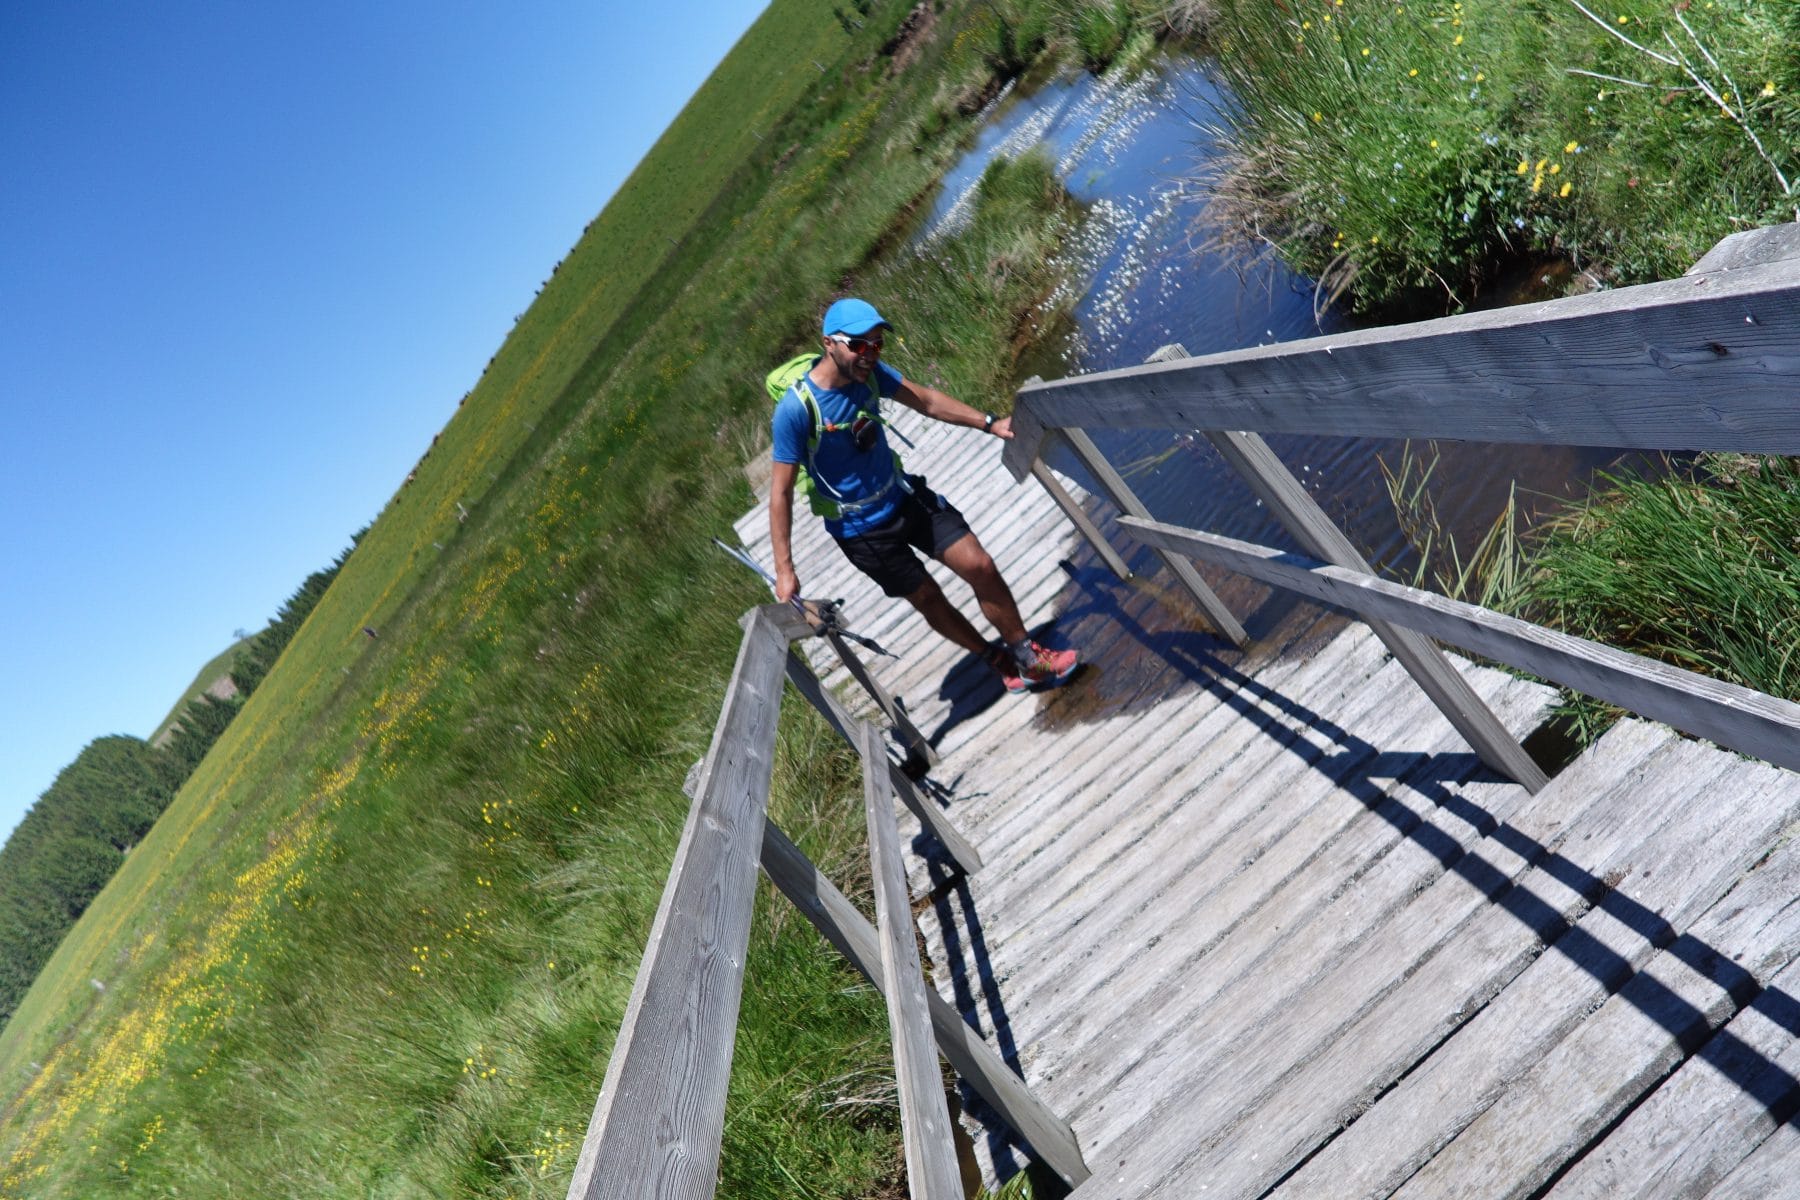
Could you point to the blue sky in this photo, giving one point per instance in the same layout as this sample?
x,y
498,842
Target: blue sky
x,y
250,258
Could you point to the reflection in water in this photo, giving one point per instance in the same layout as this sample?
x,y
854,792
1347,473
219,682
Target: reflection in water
x,y
1124,145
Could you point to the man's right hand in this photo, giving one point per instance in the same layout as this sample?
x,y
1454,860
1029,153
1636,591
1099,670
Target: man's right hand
x,y
787,584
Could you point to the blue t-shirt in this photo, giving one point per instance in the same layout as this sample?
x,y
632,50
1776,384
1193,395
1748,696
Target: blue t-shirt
x,y
846,473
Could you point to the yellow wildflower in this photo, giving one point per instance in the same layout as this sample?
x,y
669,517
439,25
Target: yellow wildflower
x,y
1412,72
1434,143
1768,89
1458,40
1571,148
1365,52
1566,189
1524,166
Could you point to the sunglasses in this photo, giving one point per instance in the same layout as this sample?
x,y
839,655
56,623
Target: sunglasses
x,y
858,345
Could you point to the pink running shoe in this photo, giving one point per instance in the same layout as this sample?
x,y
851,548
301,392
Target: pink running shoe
x,y
1048,668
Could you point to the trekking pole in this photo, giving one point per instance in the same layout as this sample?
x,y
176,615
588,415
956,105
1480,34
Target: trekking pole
x,y
828,613
920,756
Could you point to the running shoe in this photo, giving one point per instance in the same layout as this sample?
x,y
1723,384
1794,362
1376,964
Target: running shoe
x,y
1047,668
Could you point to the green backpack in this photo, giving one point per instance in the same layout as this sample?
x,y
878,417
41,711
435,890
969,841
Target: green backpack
x,y
792,375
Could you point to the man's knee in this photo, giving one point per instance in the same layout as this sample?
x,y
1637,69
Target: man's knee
x,y
927,595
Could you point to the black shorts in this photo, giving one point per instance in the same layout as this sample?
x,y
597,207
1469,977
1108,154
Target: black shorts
x,y
926,522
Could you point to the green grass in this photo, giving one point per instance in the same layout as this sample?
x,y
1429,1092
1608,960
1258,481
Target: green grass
x,y
1402,151
1700,568
381,941
1697,567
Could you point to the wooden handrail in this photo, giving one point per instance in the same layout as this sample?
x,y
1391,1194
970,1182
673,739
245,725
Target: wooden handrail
x,y
661,1112
657,1125
931,1171
1735,717
1709,361
930,816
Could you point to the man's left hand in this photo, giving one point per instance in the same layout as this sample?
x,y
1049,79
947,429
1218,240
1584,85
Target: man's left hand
x,y
1002,428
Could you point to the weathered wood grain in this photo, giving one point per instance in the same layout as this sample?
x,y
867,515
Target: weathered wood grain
x,y
1665,886
1270,479
1126,500
832,914
1735,717
1625,1048
661,1111
931,1171
1454,929
1282,889
1260,962
1751,248
1767,1172
902,725
1726,1099
1704,362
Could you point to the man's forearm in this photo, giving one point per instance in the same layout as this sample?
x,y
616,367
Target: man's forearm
x,y
781,529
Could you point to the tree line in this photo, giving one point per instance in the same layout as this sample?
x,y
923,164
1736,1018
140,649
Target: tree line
x,y
101,805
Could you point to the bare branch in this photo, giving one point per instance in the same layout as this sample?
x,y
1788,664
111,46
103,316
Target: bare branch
x,y
1601,22
1616,79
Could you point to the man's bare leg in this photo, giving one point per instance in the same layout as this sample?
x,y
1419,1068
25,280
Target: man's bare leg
x,y
975,567
947,619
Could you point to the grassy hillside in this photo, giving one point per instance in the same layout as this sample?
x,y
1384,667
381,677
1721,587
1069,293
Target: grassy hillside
x,y
381,941
204,678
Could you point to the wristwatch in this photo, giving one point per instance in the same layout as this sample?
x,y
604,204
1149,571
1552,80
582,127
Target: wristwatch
x,y
987,422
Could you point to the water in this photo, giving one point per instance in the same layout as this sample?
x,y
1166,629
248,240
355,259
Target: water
x,y
1130,150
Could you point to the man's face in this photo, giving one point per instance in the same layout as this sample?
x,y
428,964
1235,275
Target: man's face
x,y
855,354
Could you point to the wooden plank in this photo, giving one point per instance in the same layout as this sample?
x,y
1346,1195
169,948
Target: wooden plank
x,y
1768,1172
1194,913
1027,443
661,1111
1666,882
1728,1098
922,807
1750,248
1487,914
1735,717
1218,748
1077,515
1270,479
832,914
1702,362
931,1171
1248,770
1626,1047
1115,487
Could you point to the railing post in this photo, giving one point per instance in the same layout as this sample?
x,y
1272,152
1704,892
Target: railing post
x,y
977,1062
809,686
931,1171
661,1111
1023,456
1252,458
1115,487
916,745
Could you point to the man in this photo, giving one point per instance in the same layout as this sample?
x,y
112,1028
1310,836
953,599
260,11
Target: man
x,y
828,424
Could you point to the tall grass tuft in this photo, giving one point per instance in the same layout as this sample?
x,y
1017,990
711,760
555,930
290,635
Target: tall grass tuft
x,y
1400,151
1700,569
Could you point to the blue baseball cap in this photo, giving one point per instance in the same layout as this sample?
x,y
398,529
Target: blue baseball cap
x,y
852,316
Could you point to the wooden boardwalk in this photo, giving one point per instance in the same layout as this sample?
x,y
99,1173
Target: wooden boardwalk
x,y
1259,923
